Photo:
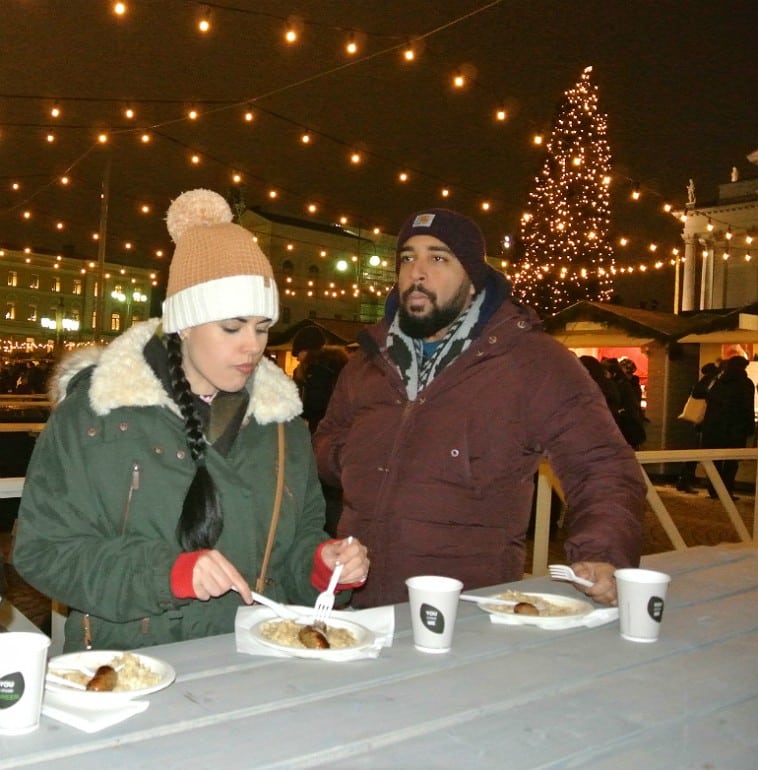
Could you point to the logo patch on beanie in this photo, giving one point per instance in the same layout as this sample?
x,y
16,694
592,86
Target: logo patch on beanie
x,y
423,220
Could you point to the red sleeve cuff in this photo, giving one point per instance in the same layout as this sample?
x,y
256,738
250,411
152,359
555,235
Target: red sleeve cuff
x,y
321,572
181,574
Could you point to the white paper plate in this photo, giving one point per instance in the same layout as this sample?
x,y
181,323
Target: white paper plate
x,y
92,659
364,638
575,608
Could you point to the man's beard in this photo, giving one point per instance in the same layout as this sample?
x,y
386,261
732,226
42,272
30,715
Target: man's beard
x,y
423,327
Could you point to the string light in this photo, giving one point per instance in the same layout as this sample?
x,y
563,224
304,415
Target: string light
x,y
413,48
204,23
293,30
119,9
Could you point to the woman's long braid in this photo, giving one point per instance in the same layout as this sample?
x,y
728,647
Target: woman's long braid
x,y
202,520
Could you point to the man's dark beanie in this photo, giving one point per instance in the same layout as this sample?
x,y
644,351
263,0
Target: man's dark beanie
x,y
461,234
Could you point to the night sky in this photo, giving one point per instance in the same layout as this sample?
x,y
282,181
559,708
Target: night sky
x,y
677,79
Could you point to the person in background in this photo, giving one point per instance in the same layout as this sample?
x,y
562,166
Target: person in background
x,y
316,376
602,377
729,417
149,498
317,373
686,480
438,424
629,416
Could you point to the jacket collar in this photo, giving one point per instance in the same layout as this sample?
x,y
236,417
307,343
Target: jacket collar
x,y
121,377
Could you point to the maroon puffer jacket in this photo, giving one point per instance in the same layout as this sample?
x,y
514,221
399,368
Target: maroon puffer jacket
x,y
443,485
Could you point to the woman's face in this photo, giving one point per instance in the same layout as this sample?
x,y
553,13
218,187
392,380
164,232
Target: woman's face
x,y
221,355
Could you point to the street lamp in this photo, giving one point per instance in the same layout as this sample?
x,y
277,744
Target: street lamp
x,y
128,298
60,323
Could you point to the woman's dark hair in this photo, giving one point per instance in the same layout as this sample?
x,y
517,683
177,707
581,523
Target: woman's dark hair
x,y
202,520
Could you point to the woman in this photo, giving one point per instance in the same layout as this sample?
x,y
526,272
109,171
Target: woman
x,y
149,499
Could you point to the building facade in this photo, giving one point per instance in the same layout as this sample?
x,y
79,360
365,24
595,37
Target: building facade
x,y
55,302
325,271
720,267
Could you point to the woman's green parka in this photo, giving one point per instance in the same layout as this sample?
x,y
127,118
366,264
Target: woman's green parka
x,y
105,487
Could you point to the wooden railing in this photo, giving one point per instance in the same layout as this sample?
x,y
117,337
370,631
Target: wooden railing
x,y
546,482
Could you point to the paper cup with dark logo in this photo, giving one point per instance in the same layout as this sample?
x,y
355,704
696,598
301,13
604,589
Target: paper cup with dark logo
x,y
434,605
23,659
641,599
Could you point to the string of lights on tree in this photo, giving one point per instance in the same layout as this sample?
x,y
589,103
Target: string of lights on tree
x,y
568,219
409,49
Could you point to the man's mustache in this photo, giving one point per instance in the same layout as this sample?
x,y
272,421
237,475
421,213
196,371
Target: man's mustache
x,y
419,289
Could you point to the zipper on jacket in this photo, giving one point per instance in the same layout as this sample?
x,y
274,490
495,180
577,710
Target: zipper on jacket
x,y
133,487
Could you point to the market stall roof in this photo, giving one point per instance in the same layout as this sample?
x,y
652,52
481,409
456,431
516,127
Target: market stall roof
x,y
337,332
597,324
739,325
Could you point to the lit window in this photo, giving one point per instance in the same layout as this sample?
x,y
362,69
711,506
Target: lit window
x,y
77,286
12,278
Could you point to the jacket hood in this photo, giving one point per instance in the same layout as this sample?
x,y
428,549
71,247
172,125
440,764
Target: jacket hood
x,y
122,377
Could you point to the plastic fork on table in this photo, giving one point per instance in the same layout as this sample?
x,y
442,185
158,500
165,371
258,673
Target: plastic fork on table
x,y
325,600
564,572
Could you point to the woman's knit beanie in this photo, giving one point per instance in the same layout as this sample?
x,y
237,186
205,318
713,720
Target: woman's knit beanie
x,y
218,270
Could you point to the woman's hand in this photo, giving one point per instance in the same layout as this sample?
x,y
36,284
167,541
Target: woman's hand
x,y
352,554
601,574
214,575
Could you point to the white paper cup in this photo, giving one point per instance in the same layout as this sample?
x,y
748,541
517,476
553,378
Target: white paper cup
x,y
641,598
23,660
434,605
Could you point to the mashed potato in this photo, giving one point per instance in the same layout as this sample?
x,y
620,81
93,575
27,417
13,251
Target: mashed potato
x,y
285,632
132,674
544,607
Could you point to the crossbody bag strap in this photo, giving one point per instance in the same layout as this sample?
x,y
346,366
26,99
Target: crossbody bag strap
x,y
261,582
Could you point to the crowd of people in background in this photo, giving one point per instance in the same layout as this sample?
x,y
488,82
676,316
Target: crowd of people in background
x,y
24,377
623,394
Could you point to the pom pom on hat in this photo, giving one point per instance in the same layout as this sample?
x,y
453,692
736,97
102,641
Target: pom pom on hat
x,y
218,270
194,209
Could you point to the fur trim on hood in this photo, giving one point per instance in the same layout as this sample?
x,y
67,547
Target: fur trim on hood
x,y
122,377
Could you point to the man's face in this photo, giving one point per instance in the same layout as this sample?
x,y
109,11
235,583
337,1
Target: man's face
x,y
434,288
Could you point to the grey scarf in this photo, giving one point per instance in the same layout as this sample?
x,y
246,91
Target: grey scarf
x,y
408,353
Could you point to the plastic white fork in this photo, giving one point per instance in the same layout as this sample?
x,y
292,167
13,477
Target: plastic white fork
x,y
564,572
325,600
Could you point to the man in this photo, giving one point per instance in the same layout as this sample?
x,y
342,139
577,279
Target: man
x,y
437,426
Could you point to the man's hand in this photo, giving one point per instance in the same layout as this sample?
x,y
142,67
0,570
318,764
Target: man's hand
x,y
601,574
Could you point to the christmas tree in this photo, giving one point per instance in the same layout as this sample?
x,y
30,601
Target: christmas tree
x,y
567,255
